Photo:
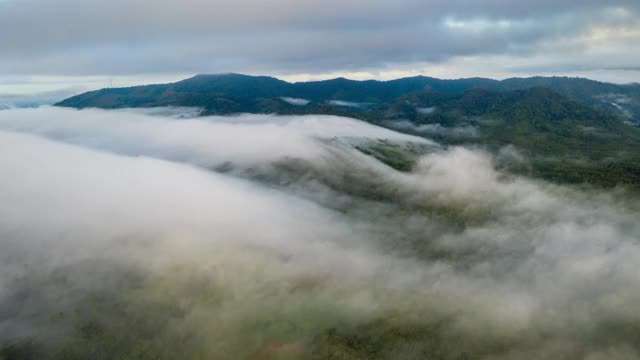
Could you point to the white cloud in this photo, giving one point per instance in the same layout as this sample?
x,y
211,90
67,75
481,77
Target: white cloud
x,y
345,103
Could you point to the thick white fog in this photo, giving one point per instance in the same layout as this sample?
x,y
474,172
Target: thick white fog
x,y
248,139
258,235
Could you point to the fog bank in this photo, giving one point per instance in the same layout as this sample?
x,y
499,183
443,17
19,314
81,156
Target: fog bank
x,y
258,236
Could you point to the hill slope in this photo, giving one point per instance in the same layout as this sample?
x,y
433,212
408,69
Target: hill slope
x,y
565,140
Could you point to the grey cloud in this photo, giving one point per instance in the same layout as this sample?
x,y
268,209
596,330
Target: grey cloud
x,y
88,37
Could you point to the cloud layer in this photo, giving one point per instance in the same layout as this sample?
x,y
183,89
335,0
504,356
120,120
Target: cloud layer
x,y
123,232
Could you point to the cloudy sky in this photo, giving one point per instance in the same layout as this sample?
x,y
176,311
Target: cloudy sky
x,y
50,45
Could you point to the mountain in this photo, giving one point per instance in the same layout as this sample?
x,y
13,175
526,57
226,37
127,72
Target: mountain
x,y
231,93
228,93
572,130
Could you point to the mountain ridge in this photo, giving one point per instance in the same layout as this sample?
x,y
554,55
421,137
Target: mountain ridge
x,y
216,92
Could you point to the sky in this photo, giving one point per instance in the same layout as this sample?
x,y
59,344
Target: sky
x,y
85,44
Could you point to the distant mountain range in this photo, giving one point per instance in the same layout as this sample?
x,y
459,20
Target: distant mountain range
x,y
231,93
571,129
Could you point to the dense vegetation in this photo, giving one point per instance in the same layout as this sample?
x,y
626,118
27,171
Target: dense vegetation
x,y
565,140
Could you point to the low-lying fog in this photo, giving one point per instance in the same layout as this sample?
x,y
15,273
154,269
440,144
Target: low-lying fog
x,y
126,234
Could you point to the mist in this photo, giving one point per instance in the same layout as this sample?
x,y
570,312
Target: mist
x,y
158,234
458,132
34,100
